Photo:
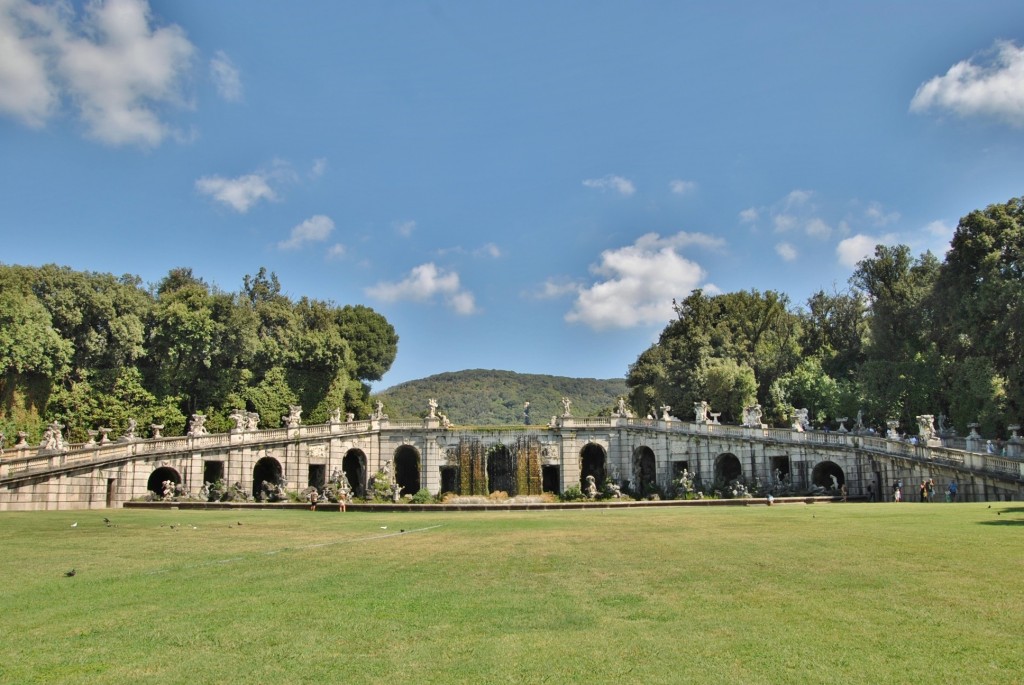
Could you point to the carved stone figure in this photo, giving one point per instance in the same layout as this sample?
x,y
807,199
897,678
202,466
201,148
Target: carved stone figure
x,y
52,438
926,427
566,407
684,484
893,432
156,428
336,415
198,425
294,417
752,416
432,406
239,417
835,482
621,410
665,409
378,412
252,421
590,490
701,410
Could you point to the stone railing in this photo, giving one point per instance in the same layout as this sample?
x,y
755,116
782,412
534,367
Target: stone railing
x,y
26,460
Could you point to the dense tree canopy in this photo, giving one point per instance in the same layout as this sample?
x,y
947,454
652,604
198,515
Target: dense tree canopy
x,y
94,350
911,336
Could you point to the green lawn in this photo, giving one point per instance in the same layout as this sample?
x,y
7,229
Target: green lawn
x,y
869,593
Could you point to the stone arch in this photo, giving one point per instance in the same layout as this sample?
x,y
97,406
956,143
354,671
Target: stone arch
x,y
353,465
822,474
592,463
645,470
156,480
727,468
501,474
407,469
266,469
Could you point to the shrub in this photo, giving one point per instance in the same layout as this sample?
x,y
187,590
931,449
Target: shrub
x,y
573,494
423,496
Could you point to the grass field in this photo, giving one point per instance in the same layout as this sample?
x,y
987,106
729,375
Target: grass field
x,y
865,593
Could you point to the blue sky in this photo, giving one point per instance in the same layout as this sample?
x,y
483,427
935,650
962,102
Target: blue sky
x,y
514,185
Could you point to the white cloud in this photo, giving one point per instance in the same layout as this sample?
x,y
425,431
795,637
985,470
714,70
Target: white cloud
x,y
226,77
749,215
877,215
784,222
679,187
319,168
994,87
243,192
336,251
425,283
115,68
552,289
786,251
640,281
462,302
798,198
618,184
855,248
940,229
817,228
238,193
404,228
27,89
315,229
488,250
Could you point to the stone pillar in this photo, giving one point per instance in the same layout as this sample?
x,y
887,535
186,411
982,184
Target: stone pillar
x,y
975,443
1014,446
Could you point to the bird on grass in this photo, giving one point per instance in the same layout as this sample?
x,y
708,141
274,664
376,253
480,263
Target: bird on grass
x,y
75,524
68,574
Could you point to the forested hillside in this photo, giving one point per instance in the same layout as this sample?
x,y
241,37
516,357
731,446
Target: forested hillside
x,y
91,349
910,336
482,397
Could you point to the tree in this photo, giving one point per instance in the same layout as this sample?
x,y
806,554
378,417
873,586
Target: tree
x,y
372,339
979,301
29,344
103,316
835,331
730,387
898,288
752,330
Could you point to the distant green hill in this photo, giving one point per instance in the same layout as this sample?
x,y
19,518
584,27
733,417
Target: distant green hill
x,y
481,397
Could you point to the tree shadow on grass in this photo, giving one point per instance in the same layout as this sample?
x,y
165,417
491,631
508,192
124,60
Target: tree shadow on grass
x,y
1003,520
